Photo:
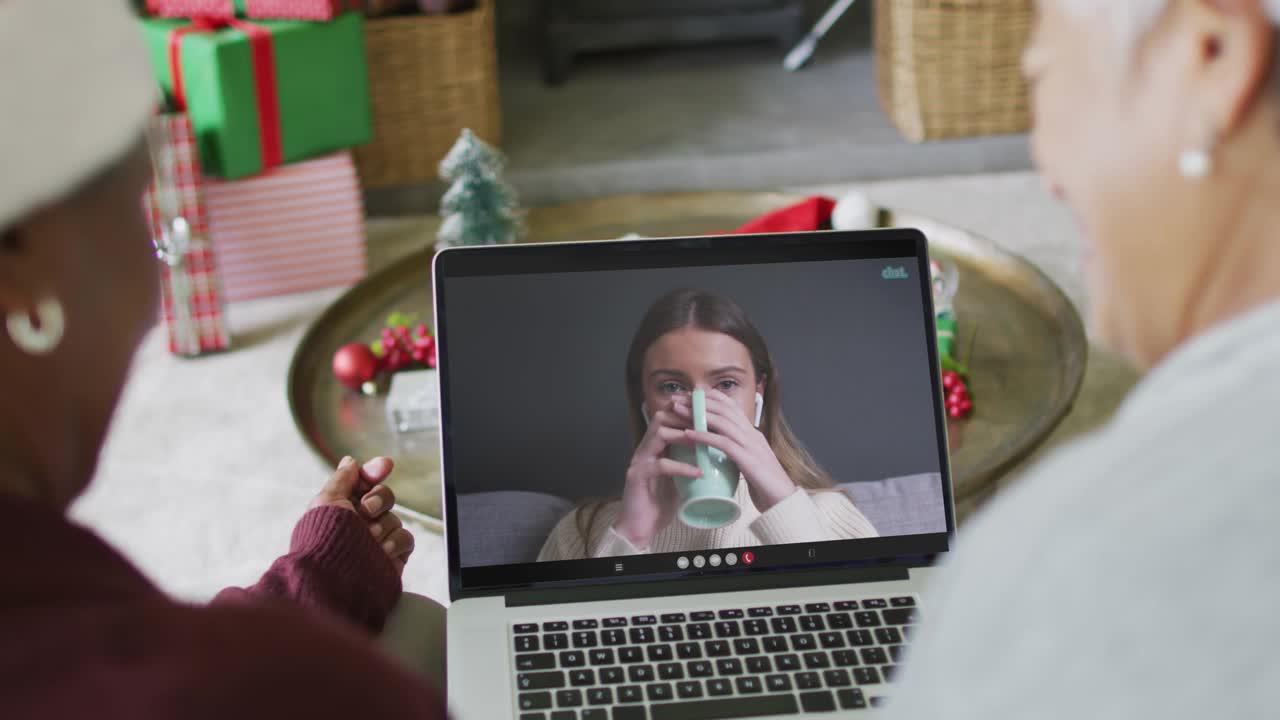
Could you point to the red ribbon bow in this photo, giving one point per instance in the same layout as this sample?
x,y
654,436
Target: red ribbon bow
x,y
264,78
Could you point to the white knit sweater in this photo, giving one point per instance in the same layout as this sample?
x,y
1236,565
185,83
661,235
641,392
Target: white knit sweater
x,y
800,517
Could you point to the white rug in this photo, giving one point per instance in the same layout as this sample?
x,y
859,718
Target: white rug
x,y
204,475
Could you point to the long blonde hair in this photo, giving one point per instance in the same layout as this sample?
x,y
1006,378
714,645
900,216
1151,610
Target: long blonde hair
x,y
712,312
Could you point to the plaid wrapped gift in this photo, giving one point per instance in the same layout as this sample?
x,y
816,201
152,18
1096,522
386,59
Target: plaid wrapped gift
x,y
261,9
192,300
297,227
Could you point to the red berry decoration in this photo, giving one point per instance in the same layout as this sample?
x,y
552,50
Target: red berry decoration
x,y
958,401
354,365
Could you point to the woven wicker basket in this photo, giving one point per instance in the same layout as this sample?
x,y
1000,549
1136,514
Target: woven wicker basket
x,y
430,76
952,68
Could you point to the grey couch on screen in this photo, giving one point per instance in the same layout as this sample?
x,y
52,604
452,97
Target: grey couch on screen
x,y
506,527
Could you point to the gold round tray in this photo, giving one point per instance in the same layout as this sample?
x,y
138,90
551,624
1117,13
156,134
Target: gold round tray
x,y
1027,358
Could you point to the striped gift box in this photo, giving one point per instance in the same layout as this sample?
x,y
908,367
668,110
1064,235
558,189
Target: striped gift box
x,y
262,9
298,227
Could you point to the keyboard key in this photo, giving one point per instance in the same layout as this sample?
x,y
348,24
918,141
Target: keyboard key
x,y
783,625
613,637
858,638
875,603
642,635
628,712
878,701
831,640
659,691
629,693
535,701
728,629
699,631
640,673
614,622
812,623
888,636
866,676
839,621
525,628
787,662
888,671
808,680
817,701
800,643
526,643
789,610
902,601
600,696
731,614
688,651
847,605
590,624
671,671
700,668
867,618
540,680
702,615
759,665
760,612
816,660
775,644
899,616
724,708
689,689
717,648
719,686
874,656
602,656
837,678
579,678
630,655
755,627
644,620
558,641
573,658
729,666
670,633
746,646
778,683
536,661
659,653
611,675
748,685
672,617
851,699
533,716
564,715
555,626
895,652
819,607
584,639
568,698
845,658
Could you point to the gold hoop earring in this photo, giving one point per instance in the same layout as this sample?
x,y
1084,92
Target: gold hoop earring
x,y
40,340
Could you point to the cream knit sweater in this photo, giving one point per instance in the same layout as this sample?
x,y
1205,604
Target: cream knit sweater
x,y
801,517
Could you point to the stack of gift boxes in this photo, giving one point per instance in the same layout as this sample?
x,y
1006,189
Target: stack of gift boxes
x,y
253,169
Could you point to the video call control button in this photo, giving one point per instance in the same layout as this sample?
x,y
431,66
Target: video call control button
x,y
731,559
748,557
715,560
682,562
699,561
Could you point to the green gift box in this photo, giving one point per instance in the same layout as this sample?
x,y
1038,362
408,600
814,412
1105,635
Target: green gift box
x,y
265,92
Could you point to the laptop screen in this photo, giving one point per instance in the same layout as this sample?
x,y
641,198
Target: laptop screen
x,y
627,411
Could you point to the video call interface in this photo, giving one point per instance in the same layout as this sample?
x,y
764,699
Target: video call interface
x,y
690,419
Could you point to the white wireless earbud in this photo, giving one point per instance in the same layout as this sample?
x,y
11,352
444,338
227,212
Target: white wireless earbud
x,y
644,412
759,408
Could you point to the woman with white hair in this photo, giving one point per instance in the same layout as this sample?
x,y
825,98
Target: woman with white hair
x,y
1136,572
82,632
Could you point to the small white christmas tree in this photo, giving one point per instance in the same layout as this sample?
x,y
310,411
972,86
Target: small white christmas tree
x,y
480,208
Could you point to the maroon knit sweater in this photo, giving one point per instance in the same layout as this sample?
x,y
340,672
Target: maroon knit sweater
x,y
84,635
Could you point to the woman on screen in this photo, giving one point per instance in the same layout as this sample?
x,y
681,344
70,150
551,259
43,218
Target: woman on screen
x,y
695,340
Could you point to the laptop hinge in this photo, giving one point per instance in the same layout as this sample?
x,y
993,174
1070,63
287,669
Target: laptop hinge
x,y
698,586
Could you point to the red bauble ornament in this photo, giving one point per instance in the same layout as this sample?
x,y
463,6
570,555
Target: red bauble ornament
x,y
354,365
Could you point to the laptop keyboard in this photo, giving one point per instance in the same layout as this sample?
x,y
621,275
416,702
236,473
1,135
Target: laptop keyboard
x,y
737,662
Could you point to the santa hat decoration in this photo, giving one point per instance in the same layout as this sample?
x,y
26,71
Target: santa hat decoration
x,y
75,93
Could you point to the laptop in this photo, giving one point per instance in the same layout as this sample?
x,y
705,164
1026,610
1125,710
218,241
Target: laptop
x,y
593,397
